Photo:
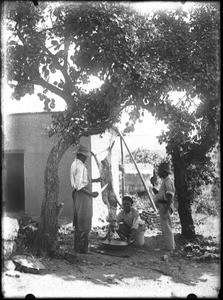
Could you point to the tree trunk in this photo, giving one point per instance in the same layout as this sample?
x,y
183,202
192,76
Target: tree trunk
x,y
184,205
48,226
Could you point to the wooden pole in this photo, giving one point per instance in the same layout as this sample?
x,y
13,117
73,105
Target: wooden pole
x,y
140,175
123,173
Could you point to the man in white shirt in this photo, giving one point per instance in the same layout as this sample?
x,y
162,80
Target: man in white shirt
x,y
82,199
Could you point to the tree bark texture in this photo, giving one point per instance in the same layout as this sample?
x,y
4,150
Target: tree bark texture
x,y
48,226
184,205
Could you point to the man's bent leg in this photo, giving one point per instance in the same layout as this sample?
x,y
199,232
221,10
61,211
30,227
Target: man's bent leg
x,y
123,231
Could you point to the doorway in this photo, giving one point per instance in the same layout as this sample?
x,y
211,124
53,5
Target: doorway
x,y
13,185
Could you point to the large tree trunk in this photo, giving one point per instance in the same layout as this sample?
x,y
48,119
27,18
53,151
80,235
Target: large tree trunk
x,y
184,205
48,226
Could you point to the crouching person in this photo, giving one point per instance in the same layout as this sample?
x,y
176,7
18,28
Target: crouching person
x,y
128,220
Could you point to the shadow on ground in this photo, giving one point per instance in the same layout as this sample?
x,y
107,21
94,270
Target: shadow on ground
x,y
137,263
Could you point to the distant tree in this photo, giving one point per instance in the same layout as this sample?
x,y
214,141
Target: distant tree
x,y
140,59
143,155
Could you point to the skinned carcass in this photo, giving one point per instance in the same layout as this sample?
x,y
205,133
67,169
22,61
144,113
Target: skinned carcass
x,y
108,195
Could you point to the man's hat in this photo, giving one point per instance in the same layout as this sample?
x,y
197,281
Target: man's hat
x,y
83,150
165,167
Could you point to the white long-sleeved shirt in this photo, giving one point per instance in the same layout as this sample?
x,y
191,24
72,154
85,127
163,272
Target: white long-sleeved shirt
x,y
78,175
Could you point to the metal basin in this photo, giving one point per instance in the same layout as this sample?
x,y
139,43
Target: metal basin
x,y
114,244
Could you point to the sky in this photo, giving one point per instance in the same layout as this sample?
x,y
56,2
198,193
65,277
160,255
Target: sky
x,y
145,133
147,6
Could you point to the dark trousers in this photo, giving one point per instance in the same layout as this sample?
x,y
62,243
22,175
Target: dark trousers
x,y
81,238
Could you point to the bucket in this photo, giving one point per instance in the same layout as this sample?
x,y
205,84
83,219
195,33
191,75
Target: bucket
x,y
139,235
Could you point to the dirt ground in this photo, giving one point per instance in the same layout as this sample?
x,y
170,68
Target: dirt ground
x,y
132,272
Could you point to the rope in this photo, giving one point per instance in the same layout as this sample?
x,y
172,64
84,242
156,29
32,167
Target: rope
x,y
107,149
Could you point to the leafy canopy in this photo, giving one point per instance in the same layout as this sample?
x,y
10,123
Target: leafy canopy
x,y
140,58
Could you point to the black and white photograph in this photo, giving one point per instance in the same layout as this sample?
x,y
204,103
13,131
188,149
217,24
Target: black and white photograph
x,y
111,177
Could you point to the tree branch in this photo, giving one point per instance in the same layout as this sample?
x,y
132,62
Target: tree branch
x,y
40,81
54,59
66,95
63,70
66,48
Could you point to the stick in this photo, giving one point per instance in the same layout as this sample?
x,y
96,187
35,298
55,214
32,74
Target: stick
x,y
140,175
122,161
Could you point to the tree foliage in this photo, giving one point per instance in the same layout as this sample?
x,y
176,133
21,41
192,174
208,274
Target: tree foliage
x,y
140,58
82,39
193,133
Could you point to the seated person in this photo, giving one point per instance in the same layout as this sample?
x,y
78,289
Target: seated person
x,y
128,220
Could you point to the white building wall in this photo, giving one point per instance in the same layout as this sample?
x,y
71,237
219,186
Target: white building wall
x,y
144,168
25,132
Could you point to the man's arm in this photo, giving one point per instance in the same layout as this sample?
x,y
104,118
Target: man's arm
x,y
169,188
133,231
99,179
155,191
88,192
135,221
169,198
135,224
119,216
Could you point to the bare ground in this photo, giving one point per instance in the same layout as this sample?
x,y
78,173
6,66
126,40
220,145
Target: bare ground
x,y
134,272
